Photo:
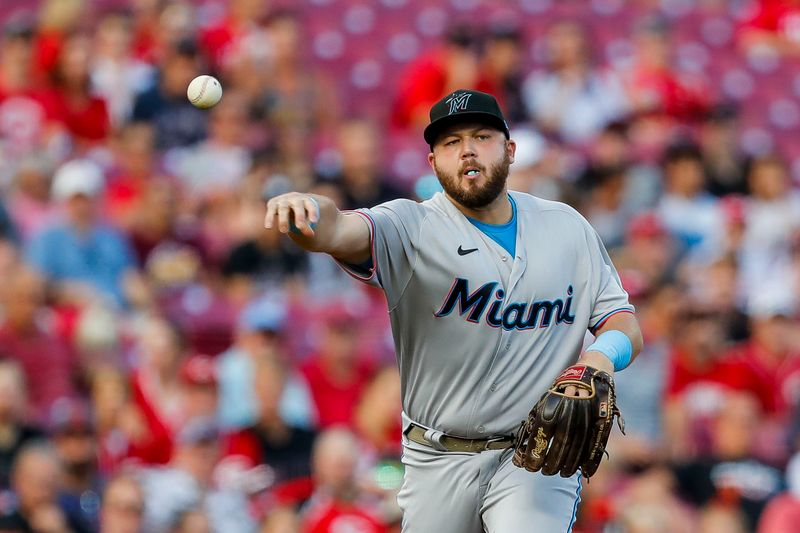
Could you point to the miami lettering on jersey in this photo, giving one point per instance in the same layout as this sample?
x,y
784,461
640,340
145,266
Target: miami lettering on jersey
x,y
515,315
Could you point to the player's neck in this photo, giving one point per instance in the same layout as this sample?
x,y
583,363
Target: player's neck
x,y
497,212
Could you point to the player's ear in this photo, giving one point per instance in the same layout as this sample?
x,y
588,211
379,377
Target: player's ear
x,y
431,160
511,148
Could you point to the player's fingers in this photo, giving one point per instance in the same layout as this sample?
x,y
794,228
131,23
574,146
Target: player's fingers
x,y
583,393
571,390
313,210
301,218
269,218
299,213
283,217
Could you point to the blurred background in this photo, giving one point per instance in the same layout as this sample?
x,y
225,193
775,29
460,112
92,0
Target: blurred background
x,y
173,367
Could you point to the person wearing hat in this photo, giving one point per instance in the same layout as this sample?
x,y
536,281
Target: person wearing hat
x,y
81,254
259,335
490,294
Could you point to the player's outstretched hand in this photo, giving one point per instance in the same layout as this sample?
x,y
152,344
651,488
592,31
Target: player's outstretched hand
x,y
294,211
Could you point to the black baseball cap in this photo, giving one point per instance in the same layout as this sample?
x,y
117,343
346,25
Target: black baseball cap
x,y
461,106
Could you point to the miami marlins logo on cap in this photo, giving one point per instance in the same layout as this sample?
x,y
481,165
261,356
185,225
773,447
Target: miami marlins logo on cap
x,y
458,101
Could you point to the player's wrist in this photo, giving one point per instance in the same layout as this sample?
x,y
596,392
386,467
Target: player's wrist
x,y
613,345
597,360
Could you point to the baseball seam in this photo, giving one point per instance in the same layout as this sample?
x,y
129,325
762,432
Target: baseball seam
x,y
202,91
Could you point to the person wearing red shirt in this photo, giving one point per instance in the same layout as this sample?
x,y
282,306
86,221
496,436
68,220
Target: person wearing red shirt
x,y
157,387
766,365
338,504
775,24
698,380
655,87
86,114
337,376
30,115
24,337
455,64
223,41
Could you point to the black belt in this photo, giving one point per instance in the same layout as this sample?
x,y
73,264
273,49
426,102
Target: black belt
x,y
449,443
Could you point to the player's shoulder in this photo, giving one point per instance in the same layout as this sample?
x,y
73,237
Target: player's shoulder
x,y
529,204
405,207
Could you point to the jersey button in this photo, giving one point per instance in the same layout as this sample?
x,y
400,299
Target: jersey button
x,y
481,429
493,387
504,258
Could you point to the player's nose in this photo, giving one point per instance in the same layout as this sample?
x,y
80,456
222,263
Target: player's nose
x,y
468,150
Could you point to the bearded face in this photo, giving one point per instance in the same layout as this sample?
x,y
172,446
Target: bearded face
x,y
474,185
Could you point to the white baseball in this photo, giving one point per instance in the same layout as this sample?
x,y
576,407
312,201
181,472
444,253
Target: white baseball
x,y
204,91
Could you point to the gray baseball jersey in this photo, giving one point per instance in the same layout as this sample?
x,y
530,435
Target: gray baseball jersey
x,y
481,335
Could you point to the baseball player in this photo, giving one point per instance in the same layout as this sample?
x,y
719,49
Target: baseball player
x,y
490,293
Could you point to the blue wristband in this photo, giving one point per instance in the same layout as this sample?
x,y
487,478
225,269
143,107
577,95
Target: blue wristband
x,y
616,346
312,225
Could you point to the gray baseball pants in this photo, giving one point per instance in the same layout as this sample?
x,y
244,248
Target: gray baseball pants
x,y
446,492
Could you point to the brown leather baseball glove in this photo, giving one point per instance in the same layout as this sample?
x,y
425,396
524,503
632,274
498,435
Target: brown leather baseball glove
x,y
564,433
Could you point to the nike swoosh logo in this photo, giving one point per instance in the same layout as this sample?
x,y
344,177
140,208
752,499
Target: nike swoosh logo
x,y
462,251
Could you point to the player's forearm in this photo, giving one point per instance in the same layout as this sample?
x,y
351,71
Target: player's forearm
x,y
608,355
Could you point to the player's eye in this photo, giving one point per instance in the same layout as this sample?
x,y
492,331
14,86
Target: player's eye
x,y
483,137
451,142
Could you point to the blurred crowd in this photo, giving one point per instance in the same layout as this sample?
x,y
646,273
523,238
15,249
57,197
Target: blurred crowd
x,y
168,366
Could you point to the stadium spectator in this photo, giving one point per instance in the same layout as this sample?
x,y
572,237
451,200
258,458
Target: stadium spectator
x,y
337,374
84,257
156,385
123,506
772,217
772,26
214,167
31,120
271,442
45,358
72,432
259,338
35,481
690,214
337,498
502,62
360,176
187,483
15,432
265,262
722,156
655,86
729,473
237,33
117,75
300,102
85,114
30,206
176,121
573,99
453,65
